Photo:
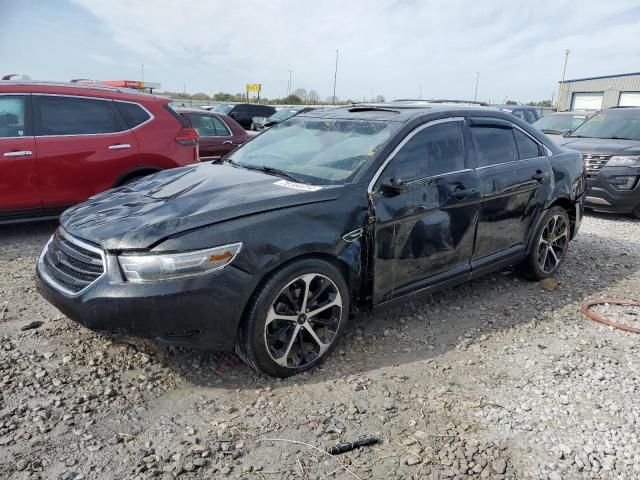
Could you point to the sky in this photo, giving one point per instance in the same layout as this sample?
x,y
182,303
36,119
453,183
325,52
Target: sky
x,y
386,47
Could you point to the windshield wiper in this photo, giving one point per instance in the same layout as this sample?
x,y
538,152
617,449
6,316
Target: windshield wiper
x,y
618,138
553,132
268,170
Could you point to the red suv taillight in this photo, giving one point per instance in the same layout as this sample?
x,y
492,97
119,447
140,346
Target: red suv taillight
x,y
187,137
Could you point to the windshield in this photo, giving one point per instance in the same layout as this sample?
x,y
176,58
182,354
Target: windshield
x,y
610,125
222,108
282,115
559,123
315,150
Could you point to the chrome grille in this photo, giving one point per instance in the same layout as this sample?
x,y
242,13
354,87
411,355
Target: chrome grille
x,y
595,163
70,264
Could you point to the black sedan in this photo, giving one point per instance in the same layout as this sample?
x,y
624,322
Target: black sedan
x,y
324,215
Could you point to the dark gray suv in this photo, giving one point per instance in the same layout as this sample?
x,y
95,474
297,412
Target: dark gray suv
x,y
610,145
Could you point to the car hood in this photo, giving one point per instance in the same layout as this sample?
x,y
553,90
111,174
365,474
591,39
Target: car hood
x,y
603,146
139,215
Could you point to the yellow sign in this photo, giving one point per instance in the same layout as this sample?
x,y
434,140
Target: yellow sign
x,y
254,87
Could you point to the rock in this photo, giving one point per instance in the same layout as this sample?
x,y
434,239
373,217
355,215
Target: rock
x,y
411,460
548,284
555,476
499,465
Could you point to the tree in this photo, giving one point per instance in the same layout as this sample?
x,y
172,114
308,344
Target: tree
x,y
301,93
223,97
511,102
332,100
313,96
292,100
200,96
541,103
380,99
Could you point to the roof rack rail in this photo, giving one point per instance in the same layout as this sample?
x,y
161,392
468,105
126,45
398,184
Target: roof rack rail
x,y
370,108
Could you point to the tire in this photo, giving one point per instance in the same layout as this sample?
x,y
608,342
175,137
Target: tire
x,y
635,213
131,180
549,246
276,337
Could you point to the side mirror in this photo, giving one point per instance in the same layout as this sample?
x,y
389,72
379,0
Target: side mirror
x,y
395,186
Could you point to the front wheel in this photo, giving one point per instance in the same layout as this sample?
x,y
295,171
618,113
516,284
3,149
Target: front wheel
x,y
549,246
295,319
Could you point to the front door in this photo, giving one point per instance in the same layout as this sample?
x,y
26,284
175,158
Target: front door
x,y
515,178
426,207
19,186
83,147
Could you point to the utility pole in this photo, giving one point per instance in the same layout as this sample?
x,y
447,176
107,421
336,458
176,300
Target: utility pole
x,y
335,77
475,96
420,97
142,74
564,71
290,83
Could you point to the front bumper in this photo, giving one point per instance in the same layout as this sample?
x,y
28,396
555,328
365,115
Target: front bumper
x,y
200,312
602,195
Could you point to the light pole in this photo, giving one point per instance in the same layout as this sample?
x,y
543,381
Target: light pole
x,y
564,71
475,96
420,97
290,83
335,77
142,68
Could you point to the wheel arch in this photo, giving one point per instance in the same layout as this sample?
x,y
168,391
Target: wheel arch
x,y
135,172
351,276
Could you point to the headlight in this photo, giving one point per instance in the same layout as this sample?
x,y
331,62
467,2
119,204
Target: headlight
x,y
623,161
155,267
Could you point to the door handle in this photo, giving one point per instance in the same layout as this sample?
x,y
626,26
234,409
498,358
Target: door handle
x,y
21,153
119,146
538,177
227,142
463,193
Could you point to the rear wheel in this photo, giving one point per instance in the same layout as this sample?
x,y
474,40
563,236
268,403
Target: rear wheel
x,y
549,246
295,319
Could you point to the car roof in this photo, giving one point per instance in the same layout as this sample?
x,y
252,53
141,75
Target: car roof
x,y
195,110
69,88
623,110
399,112
570,113
513,107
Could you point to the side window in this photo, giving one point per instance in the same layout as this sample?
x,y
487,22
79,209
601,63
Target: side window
x,y
208,125
132,113
221,128
203,125
527,148
494,145
12,116
529,116
435,150
75,116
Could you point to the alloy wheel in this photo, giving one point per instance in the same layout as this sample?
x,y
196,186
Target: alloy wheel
x,y
303,320
553,243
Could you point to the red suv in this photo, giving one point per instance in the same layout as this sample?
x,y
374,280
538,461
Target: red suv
x,y
62,143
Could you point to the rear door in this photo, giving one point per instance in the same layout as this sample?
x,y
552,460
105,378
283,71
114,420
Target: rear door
x,y
215,138
424,235
19,186
515,181
84,146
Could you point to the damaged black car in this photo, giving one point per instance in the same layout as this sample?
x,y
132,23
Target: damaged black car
x,y
325,215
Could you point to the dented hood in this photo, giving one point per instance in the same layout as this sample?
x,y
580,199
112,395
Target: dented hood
x,y
141,214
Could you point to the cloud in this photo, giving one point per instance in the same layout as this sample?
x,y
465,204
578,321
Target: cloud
x,y
390,46
104,59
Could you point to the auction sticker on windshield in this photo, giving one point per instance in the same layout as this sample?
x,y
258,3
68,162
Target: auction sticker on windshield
x,y
298,186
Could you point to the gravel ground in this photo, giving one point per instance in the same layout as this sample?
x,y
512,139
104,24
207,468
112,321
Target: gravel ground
x,y
500,378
